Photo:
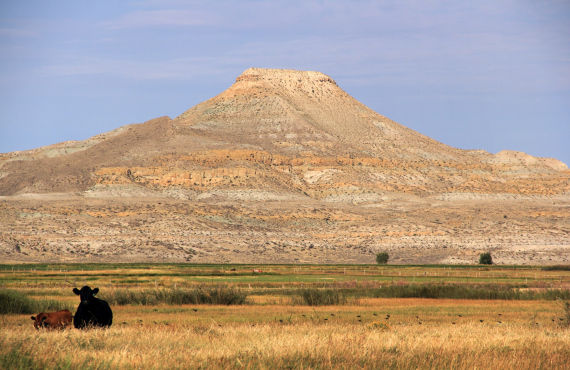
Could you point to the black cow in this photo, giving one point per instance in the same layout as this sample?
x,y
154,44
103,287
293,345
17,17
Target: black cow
x,y
91,311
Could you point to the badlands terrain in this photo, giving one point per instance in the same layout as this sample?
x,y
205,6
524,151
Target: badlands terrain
x,y
282,167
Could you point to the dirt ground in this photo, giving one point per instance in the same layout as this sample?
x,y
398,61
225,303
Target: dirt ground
x,y
217,228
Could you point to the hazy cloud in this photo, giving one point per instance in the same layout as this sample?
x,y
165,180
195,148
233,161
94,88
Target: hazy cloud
x,y
183,69
162,18
17,32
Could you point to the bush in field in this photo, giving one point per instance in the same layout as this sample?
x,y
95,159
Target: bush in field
x,y
201,295
382,258
12,301
485,259
321,297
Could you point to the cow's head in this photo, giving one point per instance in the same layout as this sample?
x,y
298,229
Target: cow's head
x,y
39,320
85,293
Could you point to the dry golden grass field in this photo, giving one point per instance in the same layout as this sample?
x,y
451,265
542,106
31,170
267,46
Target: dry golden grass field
x,y
274,328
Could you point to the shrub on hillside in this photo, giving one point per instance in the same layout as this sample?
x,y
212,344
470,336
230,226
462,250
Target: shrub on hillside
x,y
382,258
485,259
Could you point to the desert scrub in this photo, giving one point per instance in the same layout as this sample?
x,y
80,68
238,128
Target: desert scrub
x,y
201,295
12,301
320,297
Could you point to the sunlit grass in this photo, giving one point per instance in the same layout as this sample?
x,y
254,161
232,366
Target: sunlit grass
x,y
275,330
300,336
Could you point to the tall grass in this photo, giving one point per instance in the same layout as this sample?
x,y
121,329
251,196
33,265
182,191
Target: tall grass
x,y
303,345
565,319
15,359
467,292
320,297
556,268
201,295
339,295
12,301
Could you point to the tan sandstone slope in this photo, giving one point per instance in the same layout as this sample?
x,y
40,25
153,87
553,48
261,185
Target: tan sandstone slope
x,y
297,138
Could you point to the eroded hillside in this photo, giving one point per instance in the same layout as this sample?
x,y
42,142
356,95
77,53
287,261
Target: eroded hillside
x,y
280,161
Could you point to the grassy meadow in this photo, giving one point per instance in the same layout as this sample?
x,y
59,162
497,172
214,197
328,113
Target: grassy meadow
x,y
292,316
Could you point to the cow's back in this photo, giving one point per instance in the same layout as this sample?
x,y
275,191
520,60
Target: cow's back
x,y
53,320
60,319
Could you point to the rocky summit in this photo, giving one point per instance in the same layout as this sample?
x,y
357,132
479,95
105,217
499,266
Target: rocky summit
x,y
282,167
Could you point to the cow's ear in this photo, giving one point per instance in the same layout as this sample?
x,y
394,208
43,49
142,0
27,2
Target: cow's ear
x,y
95,291
76,291
34,318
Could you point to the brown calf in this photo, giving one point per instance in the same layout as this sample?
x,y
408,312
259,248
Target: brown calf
x,y
52,320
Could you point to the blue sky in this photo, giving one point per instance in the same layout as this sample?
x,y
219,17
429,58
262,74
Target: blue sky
x,y
487,75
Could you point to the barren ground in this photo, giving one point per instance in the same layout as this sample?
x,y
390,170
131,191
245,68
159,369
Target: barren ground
x,y
217,228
